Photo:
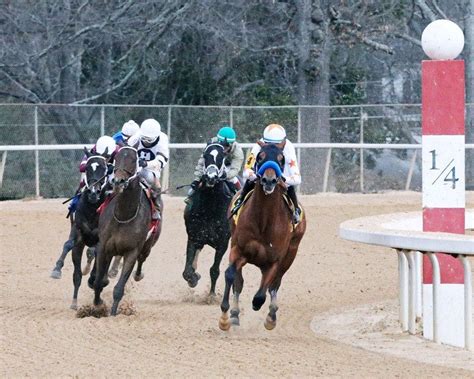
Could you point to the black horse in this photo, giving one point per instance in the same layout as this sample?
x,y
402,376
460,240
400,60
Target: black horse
x,y
124,228
85,221
206,216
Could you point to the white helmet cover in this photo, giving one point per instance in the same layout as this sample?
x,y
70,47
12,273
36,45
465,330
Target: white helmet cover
x,y
105,144
130,128
150,130
274,133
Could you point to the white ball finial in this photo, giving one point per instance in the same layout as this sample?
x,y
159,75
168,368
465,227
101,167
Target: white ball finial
x,y
442,39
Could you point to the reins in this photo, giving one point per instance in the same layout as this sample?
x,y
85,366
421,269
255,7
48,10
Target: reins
x,y
134,216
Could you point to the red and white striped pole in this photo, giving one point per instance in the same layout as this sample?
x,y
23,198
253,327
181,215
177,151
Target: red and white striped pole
x,y
443,155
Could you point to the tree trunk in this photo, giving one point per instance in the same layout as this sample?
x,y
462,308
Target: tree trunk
x,y
313,89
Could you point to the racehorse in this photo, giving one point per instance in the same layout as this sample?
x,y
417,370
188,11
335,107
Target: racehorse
x,y
85,221
264,236
206,217
124,228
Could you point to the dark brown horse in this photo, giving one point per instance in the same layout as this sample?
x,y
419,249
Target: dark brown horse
x,y
263,236
85,221
124,228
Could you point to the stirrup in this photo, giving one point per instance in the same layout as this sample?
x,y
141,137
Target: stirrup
x,y
296,216
156,215
236,207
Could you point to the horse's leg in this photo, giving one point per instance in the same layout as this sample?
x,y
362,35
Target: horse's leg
x,y
138,273
238,285
115,267
235,263
189,273
268,275
90,253
128,263
214,271
102,263
67,247
77,275
270,321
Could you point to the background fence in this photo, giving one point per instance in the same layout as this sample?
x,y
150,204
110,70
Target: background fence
x,y
368,147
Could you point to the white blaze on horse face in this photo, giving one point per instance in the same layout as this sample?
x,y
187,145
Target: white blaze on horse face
x,y
214,154
94,166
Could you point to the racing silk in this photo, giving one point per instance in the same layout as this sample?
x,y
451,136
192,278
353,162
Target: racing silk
x,y
233,162
82,165
118,137
156,155
291,171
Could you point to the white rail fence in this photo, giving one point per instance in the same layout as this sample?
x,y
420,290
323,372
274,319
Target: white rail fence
x,y
32,129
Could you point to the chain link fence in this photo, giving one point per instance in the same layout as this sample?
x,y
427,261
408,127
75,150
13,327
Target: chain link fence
x,y
343,168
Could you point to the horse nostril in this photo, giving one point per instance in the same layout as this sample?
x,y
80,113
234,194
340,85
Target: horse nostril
x,y
274,181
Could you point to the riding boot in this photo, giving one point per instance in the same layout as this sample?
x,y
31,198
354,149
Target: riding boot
x,y
297,213
156,197
248,186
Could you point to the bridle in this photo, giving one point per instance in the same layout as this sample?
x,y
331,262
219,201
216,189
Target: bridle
x,y
86,181
131,175
220,170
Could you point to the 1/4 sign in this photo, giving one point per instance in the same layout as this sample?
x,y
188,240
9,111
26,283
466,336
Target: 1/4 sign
x,y
451,174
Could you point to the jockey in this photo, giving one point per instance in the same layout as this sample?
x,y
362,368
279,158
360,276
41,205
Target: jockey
x,y
128,129
153,154
275,134
106,147
233,162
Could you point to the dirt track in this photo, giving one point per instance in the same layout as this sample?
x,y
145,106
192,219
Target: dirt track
x,y
174,331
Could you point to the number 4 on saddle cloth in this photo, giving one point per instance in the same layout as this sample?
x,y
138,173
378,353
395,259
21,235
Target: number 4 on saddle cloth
x,y
288,202
153,223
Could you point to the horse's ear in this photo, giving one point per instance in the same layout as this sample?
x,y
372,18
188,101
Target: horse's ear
x,y
106,151
261,143
87,152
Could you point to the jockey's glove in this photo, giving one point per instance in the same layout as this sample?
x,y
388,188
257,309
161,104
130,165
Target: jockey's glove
x,y
142,162
195,184
110,168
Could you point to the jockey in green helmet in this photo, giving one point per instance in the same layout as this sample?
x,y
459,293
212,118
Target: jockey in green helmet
x,y
234,159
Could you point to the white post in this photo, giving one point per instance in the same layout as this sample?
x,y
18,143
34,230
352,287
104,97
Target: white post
x,y
298,138
102,121
231,117
37,179
2,167
436,289
467,302
166,171
419,284
410,171
326,170
411,292
403,288
361,140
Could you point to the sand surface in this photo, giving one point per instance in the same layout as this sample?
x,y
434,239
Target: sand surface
x,y
174,330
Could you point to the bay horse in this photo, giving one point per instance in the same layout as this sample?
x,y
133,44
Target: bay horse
x,y
124,228
85,221
206,217
264,236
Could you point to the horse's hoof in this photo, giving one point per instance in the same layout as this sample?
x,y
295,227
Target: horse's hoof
x,y
74,305
235,321
269,323
55,274
224,323
138,277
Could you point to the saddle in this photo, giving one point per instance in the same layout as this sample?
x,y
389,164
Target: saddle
x,y
288,202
